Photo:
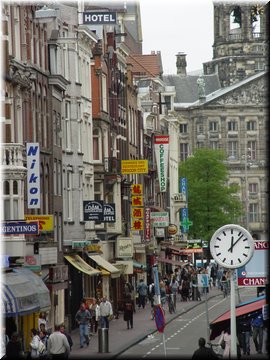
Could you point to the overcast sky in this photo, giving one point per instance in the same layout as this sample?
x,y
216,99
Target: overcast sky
x,y
173,26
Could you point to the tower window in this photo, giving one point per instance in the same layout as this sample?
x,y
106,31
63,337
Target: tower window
x,y
235,18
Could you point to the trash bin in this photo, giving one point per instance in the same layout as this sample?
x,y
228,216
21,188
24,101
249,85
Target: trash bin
x,y
103,340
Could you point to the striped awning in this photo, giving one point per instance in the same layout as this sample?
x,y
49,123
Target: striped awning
x,y
18,294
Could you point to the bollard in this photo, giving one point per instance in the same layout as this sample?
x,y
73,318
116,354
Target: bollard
x,y
103,340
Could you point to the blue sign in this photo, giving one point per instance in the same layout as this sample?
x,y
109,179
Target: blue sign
x,y
183,187
19,228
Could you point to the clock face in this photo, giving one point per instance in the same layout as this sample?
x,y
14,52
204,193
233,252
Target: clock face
x,y
232,246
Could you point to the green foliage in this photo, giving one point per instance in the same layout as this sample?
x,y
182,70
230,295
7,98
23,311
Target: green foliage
x,y
212,203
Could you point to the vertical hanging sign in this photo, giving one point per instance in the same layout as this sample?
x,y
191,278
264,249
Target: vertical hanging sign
x,y
33,176
161,146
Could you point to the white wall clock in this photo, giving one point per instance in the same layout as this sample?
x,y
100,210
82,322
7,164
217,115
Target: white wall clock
x,y
232,246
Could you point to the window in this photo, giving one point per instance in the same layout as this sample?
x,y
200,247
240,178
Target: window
x,y
232,126
235,18
80,189
67,126
12,200
104,93
98,190
55,182
97,145
259,64
251,125
252,150
69,205
167,100
214,145
183,151
59,177
253,188
199,128
213,126
183,128
253,212
233,149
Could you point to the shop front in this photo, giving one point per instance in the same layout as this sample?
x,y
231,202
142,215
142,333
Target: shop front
x,y
24,296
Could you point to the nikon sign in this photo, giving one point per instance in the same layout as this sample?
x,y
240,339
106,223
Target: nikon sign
x,y
162,156
99,17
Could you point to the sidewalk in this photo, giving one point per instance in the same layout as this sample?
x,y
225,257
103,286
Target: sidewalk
x,y
120,339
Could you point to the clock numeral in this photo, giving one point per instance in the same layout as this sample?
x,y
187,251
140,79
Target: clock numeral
x,y
231,231
239,260
245,239
231,262
245,255
218,238
218,254
216,246
224,260
224,233
247,247
240,233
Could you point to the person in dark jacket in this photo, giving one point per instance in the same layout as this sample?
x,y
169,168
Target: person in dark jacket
x,y
203,352
128,311
69,339
14,348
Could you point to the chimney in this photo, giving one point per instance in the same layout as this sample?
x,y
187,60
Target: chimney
x,y
181,64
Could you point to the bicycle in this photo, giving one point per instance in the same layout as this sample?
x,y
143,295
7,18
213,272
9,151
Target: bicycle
x,y
170,303
225,288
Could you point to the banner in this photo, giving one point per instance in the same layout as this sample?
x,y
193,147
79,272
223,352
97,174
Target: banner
x,y
33,176
161,146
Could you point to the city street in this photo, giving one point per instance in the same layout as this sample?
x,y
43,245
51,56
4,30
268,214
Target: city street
x,y
181,333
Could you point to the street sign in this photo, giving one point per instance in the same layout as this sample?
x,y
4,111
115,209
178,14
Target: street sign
x,y
19,228
159,318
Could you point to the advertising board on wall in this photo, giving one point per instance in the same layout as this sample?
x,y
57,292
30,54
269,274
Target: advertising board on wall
x,y
161,146
33,176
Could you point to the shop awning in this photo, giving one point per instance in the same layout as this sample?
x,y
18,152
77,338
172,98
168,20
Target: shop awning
x,y
40,287
221,322
138,265
81,265
170,261
100,261
19,296
172,247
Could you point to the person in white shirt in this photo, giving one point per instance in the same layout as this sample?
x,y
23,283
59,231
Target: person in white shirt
x,y
58,346
105,309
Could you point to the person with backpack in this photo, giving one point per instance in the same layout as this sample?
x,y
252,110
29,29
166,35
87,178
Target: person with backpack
x,y
128,311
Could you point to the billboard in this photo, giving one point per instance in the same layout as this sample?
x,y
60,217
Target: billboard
x,y
134,167
254,273
161,146
33,176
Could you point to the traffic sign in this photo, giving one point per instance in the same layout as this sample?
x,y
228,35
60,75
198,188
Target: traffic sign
x,y
159,318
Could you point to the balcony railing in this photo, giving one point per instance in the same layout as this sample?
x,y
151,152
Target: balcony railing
x,y
12,154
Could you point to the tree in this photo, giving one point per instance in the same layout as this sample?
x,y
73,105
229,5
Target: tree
x,y
212,202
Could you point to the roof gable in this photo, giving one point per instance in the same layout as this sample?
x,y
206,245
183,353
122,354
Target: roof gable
x,y
146,65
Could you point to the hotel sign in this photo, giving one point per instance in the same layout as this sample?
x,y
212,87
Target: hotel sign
x,y
99,17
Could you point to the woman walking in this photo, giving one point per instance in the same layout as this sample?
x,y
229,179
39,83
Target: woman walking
x,y
128,311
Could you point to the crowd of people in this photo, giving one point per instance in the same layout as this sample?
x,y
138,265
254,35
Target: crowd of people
x,y
182,285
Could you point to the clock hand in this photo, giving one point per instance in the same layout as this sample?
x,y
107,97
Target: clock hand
x,y
230,249
232,246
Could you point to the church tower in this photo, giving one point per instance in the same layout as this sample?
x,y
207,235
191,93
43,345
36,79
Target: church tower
x,y
240,48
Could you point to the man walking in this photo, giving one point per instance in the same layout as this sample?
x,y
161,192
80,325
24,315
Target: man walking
x,y
83,318
58,346
105,309
203,352
142,290
257,332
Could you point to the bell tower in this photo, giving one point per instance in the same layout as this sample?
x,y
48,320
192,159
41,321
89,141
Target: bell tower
x,y
239,48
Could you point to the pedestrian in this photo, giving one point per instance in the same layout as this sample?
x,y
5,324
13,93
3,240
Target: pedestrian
x,y
226,338
128,311
14,348
244,331
106,312
43,335
203,352
58,346
185,288
95,315
83,318
174,285
68,336
43,320
142,291
213,274
34,344
257,332
4,338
